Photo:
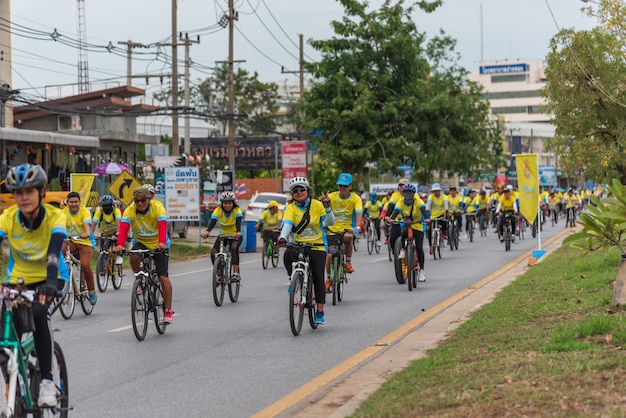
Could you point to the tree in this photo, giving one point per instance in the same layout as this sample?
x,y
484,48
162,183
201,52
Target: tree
x,y
255,105
383,93
585,92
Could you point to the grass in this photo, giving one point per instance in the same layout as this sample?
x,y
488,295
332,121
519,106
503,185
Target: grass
x,y
546,346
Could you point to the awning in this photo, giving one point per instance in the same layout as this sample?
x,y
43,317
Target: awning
x,y
44,137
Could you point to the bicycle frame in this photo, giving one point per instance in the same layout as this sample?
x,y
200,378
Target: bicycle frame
x,y
224,254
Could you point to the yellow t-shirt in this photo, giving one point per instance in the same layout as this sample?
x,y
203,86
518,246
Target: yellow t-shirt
x,y
373,209
454,203
75,224
228,224
314,232
570,201
507,204
345,211
28,255
415,214
437,205
145,226
105,222
483,202
271,222
470,204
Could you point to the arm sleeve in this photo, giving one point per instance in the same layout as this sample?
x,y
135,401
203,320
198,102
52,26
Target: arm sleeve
x,y
329,218
211,225
394,213
238,224
54,249
286,230
121,238
423,212
162,225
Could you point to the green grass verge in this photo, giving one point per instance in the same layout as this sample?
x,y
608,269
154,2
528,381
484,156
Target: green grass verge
x,y
546,346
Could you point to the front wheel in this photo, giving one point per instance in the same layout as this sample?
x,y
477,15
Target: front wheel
x,y
265,256
334,278
4,387
233,288
296,308
219,287
470,231
69,301
59,377
275,256
84,297
399,265
355,243
118,275
102,273
158,304
410,264
139,309
370,240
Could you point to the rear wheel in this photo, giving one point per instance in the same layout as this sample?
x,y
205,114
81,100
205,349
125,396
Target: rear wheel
x,y
398,263
218,282
69,301
296,309
158,304
102,273
139,309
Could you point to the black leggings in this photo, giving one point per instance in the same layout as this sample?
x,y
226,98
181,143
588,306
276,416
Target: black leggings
x,y
418,235
234,251
317,263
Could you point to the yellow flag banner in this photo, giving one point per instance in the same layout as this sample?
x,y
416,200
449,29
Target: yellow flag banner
x,y
82,183
528,185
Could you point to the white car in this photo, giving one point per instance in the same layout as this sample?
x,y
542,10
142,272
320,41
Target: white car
x,y
259,203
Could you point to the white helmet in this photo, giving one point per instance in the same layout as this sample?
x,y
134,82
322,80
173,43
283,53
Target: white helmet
x,y
227,195
150,188
435,187
298,181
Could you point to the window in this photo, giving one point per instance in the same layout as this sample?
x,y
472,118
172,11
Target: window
x,y
511,95
518,78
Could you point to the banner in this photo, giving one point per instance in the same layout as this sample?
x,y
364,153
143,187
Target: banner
x,y
528,185
82,183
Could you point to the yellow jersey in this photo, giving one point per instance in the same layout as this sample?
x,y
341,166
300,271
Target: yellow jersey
x,y
345,211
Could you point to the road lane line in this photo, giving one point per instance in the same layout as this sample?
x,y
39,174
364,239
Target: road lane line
x,y
308,389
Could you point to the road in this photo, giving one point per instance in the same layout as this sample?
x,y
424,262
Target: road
x,y
237,359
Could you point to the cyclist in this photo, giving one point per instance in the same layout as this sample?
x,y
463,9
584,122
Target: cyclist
x,y
348,211
78,224
394,233
269,223
571,202
437,206
229,216
507,204
385,202
412,210
305,219
470,203
149,225
455,206
553,206
107,218
373,207
484,205
35,233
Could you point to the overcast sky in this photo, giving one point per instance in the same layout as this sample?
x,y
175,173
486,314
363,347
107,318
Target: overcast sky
x,y
266,35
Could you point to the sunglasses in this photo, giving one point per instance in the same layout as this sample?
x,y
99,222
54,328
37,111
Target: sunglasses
x,y
298,190
140,200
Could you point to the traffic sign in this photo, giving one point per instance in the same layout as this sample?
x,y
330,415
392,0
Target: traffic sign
x,y
123,186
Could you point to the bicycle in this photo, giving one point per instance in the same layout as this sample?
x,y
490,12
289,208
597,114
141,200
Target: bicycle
x,y
571,216
554,215
77,286
453,234
436,237
106,269
405,268
19,366
521,227
268,250
301,290
146,296
389,243
469,219
482,214
338,276
222,271
372,241
507,232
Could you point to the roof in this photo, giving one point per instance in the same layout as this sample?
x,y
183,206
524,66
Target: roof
x,y
44,137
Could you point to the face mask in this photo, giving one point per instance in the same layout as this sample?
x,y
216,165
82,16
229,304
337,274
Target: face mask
x,y
373,199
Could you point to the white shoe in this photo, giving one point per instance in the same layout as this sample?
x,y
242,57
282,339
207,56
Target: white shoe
x,y
379,243
47,393
119,260
402,254
466,236
421,277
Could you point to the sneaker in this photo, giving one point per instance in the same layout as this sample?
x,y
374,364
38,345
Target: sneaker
x,y
235,278
119,260
328,285
168,318
349,268
421,277
93,298
379,243
402,254
501,239
445,236
319,318
430,251
466,236
386,241
47,393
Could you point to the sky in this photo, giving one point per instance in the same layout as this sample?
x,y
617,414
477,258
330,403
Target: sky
x,y
266,36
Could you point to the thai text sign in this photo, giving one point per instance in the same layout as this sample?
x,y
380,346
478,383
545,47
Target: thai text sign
x,y
294,161
528,182
251,153
182,193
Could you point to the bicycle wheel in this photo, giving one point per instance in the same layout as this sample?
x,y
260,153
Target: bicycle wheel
x,y
296,308
139,309
69,301
398,263
334,278
219,286
102,273
118,275
4,387
59,377
389,250
370,240
355,243
275,257
507,238
451,233
343,279
84,297
310,304
456,238
233,288
410,264
158,304
470,230
265,257
435,246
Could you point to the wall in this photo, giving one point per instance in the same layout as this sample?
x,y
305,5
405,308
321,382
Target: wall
x,y
259,185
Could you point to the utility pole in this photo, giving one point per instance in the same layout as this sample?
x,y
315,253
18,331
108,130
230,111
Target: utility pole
x,y
129,58
300,72
187,139
231,87
175,136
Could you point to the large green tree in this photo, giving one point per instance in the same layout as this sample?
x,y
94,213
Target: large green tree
x,y
586,93
384,93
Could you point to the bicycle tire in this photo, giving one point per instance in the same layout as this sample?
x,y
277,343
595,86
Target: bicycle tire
x,y
456,238
389,250
85,304
470,230
265,257
410,264
343,279
451,237
334,278
60,379
507,238
4,393
102,273
218,282
139,310
310,304
275,257
158,305
435,245
233,289
400,278
118,276
355,243
69,301
370,239
296,309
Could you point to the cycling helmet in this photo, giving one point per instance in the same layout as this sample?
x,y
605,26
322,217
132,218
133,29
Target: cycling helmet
x,y
435,187
225,196
150,188
298,181
107,199
409,188
373,194
26,175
